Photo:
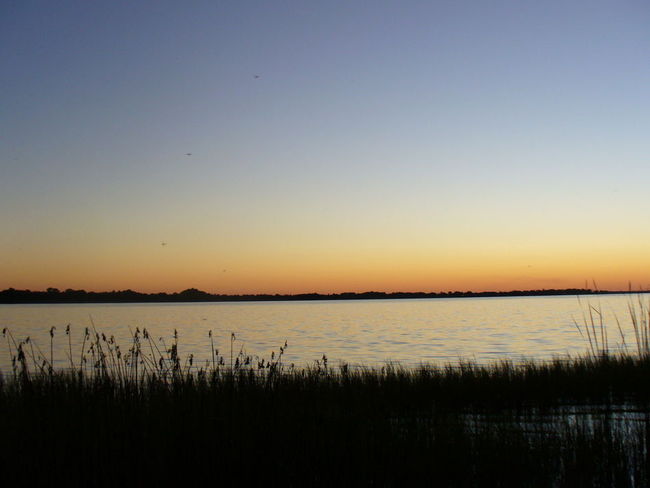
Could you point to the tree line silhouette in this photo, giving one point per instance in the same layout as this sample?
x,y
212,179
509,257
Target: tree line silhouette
x,y
54,295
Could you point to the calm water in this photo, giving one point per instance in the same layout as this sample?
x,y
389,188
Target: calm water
x,y
370,332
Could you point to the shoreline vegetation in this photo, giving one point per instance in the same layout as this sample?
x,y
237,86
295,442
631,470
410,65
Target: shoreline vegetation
x,y
54,295
141,415
566,423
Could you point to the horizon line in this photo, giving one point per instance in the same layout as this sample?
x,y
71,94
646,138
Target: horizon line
x,y
54,295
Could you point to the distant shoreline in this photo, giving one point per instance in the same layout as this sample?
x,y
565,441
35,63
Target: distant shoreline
x,y
52,295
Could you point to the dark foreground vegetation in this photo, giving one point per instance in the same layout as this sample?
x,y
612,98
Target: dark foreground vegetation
x,y
145,417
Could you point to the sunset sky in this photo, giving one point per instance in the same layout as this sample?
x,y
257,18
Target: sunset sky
x,y
335,146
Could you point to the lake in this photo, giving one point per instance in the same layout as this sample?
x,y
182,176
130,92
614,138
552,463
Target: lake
x,y
369,332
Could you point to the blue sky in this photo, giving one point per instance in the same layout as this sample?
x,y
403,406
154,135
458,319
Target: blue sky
x,y
379,135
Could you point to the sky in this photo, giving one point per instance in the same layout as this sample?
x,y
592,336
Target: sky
x,y
335,146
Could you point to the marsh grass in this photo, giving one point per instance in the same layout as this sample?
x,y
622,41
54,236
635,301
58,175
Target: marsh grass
x,y
142,415
594,328
578,423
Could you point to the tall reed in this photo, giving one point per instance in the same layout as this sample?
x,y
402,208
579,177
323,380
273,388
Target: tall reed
x,y
594,327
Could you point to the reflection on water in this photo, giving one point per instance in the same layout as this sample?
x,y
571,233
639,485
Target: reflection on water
x,y
369,332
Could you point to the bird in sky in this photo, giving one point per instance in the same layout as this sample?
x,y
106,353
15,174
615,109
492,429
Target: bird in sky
x,y
256,76
163,244
188,154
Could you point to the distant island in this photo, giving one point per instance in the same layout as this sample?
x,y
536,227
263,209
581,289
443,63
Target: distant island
x,y
54,295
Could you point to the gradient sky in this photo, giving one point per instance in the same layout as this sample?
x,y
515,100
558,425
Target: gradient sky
x,y
438,145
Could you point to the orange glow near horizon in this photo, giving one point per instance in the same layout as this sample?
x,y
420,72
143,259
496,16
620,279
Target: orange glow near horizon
x,y
291,272
461,251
